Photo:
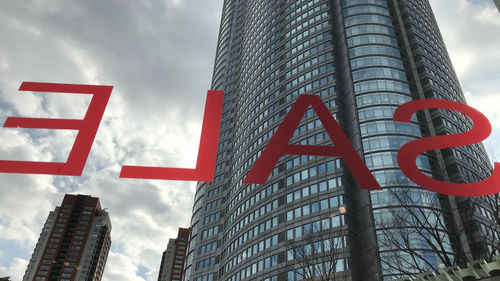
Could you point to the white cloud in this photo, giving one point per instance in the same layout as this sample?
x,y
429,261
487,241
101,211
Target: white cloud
x,y
120,267
16,269
159,57
471,31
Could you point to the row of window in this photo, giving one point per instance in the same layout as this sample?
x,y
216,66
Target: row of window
x,y
257,142
370,73
256,119
392,178
319,269
381,85
253,216
245,191
315,248
312,189
254,268
379,143
315,139
307,43
207,277
311,125
206,263
257,230
377,112
210,232
376,61
260,98
253,200
248,109
304,15
320,169
409,196
371,39
308,53
390,160
256,131
308,64
367,19
374,50
213,192
293,10
253,250
384,127
212,246
305,24
328,92
213,204
316,84
364,29
405,217
308,75
348,3
316,226
268,69
365,10
314,207
212,218
381,98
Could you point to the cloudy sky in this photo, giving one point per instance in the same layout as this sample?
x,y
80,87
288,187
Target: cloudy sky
x,y
158,54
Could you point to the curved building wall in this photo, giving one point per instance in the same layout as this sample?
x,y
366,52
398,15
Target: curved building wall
x,y
380,85
434,77
268,53
360,58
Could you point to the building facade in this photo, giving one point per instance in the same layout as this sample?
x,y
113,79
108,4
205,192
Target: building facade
x,y
74,242
172,260
363,58
497,3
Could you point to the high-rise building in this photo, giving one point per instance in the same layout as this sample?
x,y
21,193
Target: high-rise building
x,y
74,242
497,2
172,260
363,58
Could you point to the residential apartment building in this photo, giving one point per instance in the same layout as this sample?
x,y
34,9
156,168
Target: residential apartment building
x,y
172,261
74,242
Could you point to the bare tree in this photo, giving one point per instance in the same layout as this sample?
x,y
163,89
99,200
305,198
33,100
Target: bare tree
x,y
483,215
414,234
319,255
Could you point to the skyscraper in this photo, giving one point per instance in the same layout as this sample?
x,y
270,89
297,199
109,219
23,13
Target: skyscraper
x,y
497,2
74,242
364,58
172,260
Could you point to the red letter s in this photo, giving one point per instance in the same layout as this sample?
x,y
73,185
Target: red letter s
x,y
409,152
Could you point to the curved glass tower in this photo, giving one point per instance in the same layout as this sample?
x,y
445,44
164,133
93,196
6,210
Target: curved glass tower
x,y
311,220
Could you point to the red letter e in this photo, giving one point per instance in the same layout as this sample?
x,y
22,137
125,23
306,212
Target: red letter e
x,y
87,129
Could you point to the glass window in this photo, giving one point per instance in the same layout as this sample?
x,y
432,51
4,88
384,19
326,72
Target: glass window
x,y
324,204
314,207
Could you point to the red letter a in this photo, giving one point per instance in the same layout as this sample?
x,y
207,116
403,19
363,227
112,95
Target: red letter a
x,y
278,145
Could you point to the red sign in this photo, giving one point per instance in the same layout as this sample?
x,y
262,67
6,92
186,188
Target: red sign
x,y
277,147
